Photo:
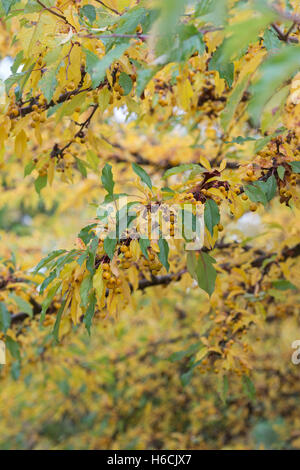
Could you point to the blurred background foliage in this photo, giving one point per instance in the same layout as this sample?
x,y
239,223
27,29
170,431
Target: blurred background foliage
x,y
138,382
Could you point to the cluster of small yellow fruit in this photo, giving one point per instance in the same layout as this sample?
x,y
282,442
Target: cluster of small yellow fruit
x,y
112,281
124,261
37,116
153,264
285,194
13,109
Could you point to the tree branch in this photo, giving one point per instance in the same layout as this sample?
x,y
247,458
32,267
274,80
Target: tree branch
x,y
285,36
62,17
168,278
109,8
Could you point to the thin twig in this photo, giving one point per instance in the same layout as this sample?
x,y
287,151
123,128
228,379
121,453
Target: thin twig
x,y
282,36
109,8
289,31
56,14
84,125
68,56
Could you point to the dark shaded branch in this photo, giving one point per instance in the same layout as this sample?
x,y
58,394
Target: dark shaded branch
x,y
285,254
285,36
84,125
161,280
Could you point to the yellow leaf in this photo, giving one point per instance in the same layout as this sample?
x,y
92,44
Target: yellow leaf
x,y
201,354
223,164
73,309
51,170
133,275
103,99
98,282
21,144
185,94
204,162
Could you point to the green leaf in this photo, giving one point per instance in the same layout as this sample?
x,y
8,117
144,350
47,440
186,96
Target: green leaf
x,y
274,109
46,282
107,179
32,6
242,33
45,261
271,40
52,56
168,190
182,168
17,62
124,218
129,20
110,246
4,318
90,12
189,41
29,168
240,140
88,317
23,305
225,69
255,193
265,436
191,262
179,355
163,253
40,183
143,78
97,68
281,172
48,83
7,4
144,244
93,160
47,301
86,234
212,11
91,255
13,347
270,187
68,258
211,215
15,370
186,377
85,289
142,174
189,224
167,24
283,284
12,79
58,320
232,103
126,83
249,387
81,167
295,166
274,71
268,261
223,388
206,273
262,191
